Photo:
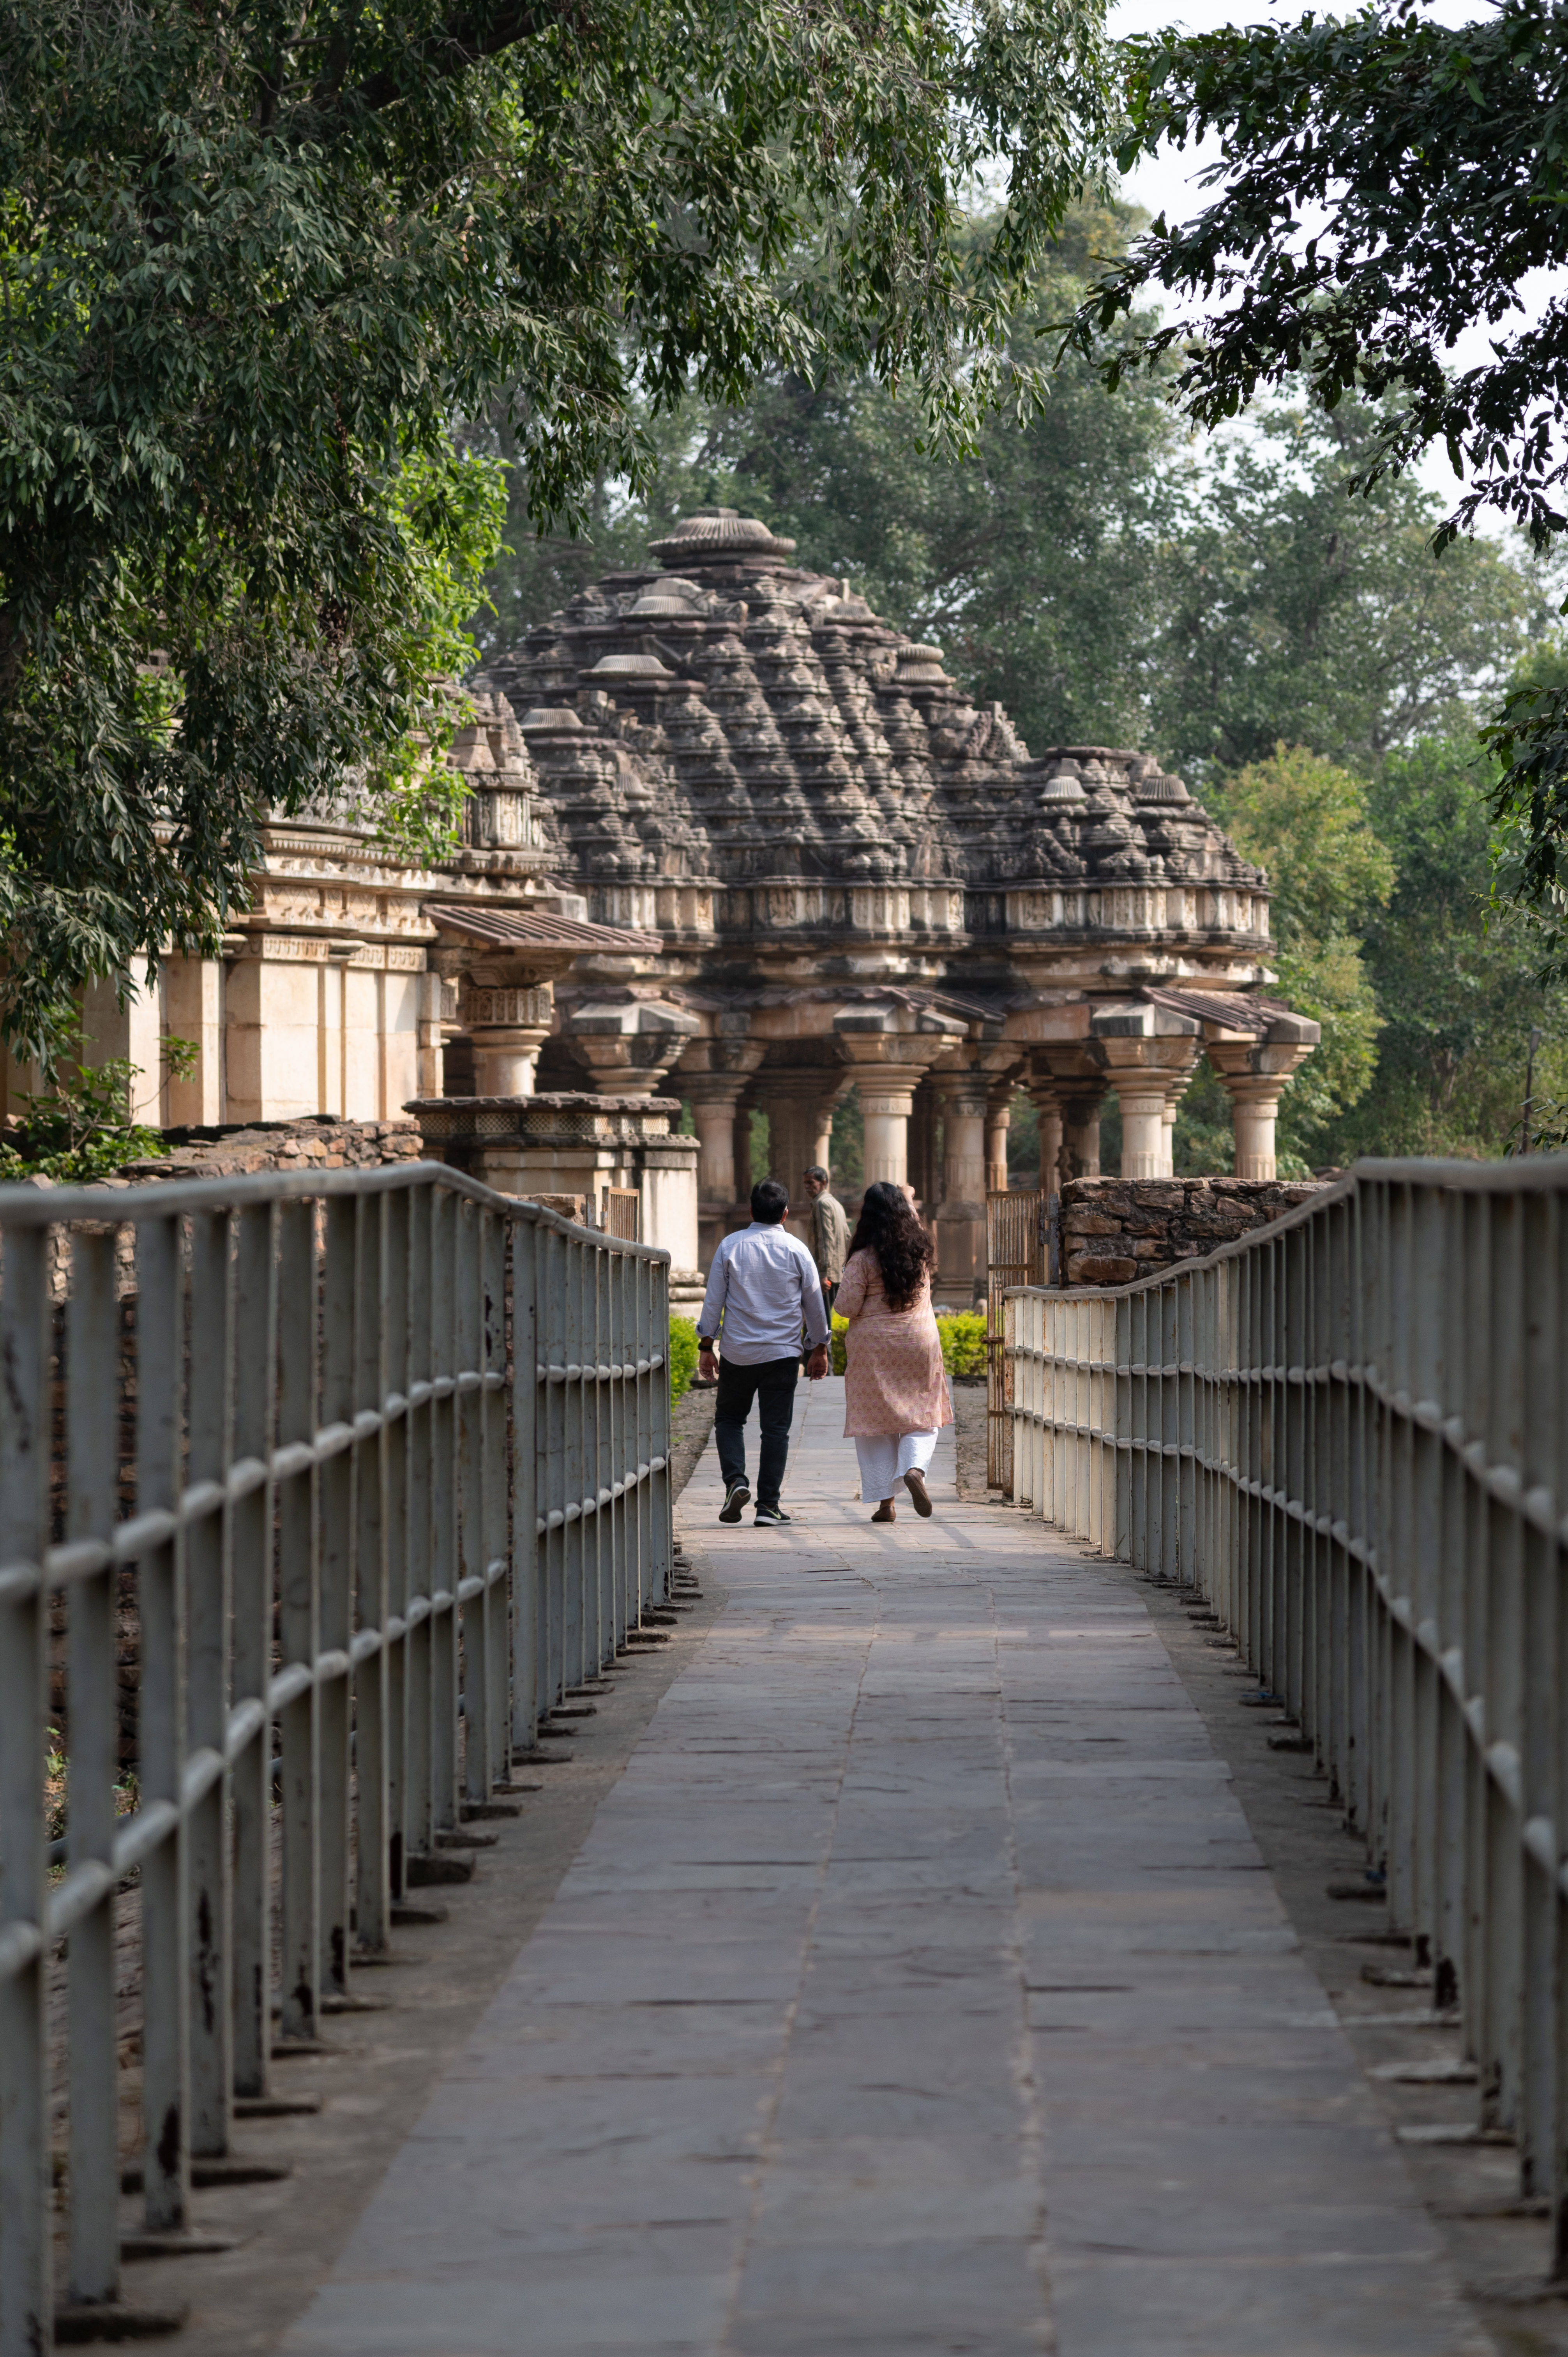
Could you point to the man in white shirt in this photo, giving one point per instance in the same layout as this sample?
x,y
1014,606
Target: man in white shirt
x,y
763,1288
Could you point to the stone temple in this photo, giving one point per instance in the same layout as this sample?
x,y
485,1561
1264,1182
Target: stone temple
x,y
734,840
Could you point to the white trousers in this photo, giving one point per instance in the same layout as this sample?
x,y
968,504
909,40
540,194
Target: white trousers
x,y
885,1456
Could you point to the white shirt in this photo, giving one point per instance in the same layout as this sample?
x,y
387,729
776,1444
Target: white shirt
x,y
763,1286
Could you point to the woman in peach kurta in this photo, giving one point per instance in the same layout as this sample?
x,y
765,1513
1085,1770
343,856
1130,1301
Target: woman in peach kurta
x,y
895,1393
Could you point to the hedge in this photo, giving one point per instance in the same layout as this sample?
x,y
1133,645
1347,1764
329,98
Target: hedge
x,y
682,1357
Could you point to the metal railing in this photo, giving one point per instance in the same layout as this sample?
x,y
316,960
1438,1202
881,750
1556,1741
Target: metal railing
x,y
1350,1431
377,1463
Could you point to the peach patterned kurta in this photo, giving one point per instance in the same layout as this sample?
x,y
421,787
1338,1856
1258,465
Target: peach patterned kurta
x,y
893,1380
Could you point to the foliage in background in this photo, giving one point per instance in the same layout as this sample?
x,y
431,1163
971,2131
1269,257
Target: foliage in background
x,y
1305,820
1292,611
963,1343
682,1357
1388,182
80,1129
1456,973
255,265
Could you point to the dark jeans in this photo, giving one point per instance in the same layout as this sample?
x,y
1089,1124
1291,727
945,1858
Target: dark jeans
x,y
772,1386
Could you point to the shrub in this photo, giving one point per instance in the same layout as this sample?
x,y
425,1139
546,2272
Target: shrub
x,y
682,1357
963,1343
835,1344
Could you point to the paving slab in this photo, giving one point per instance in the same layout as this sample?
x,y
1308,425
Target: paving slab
x,y
919,1988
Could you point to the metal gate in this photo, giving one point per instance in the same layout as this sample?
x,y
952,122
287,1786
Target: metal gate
x,y
1014,1255
620,1213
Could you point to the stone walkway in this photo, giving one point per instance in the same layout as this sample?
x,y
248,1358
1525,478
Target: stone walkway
x,y
920,1989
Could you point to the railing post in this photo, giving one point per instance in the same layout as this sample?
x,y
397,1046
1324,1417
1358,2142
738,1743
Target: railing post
x,y
445,1507
531,1401
298,1625
662,1557
493,1550
27,2256
335,1516
556,1467
400,1550
250,1542
166,2053
92,1367
373,1676
209,1449
473,1621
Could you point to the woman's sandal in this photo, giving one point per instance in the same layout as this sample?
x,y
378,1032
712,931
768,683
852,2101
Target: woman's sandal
x,y
885,1513
915,1483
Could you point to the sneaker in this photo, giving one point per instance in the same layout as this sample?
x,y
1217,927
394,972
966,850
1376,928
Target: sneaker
x,y
769,1514
735,1497
915,1483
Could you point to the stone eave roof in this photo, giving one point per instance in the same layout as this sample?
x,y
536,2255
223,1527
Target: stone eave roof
x,y
511,929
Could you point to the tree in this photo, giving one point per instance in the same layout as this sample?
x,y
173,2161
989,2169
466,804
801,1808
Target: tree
x,y
1294,612
1388,183
1032,556
1307,820
1454,972
257,264
1034,562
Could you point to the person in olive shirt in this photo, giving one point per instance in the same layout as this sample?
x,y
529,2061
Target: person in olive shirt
x,y
830,1231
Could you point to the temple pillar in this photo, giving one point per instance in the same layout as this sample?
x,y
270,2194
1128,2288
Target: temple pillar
x,y
960,1222
716,1102
1079,1153
888,1065
961,1096
1047,1103
886,1102
923,1174
798,1101
741,1146
1255,1074
1068,1089
1149,1076
998,1123
822,1143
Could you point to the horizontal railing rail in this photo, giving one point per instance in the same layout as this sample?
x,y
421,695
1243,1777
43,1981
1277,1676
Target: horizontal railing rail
x,y
1350,1430
372,1467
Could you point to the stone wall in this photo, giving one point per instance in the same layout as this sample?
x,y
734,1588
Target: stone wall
x,y
1114,1231
316,1142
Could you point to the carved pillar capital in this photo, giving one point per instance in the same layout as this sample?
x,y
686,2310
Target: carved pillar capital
x,y
1253,1073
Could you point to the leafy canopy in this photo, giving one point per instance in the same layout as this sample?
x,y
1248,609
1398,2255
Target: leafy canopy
x,y
1306,820
257,264
1389,182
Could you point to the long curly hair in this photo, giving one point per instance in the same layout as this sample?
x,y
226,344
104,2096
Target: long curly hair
x,y
888,1226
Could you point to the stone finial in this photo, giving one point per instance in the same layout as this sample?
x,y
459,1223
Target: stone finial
x,y
718,535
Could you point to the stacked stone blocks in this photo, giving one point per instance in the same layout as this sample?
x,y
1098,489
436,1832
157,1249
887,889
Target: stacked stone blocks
x,y
1114,1231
